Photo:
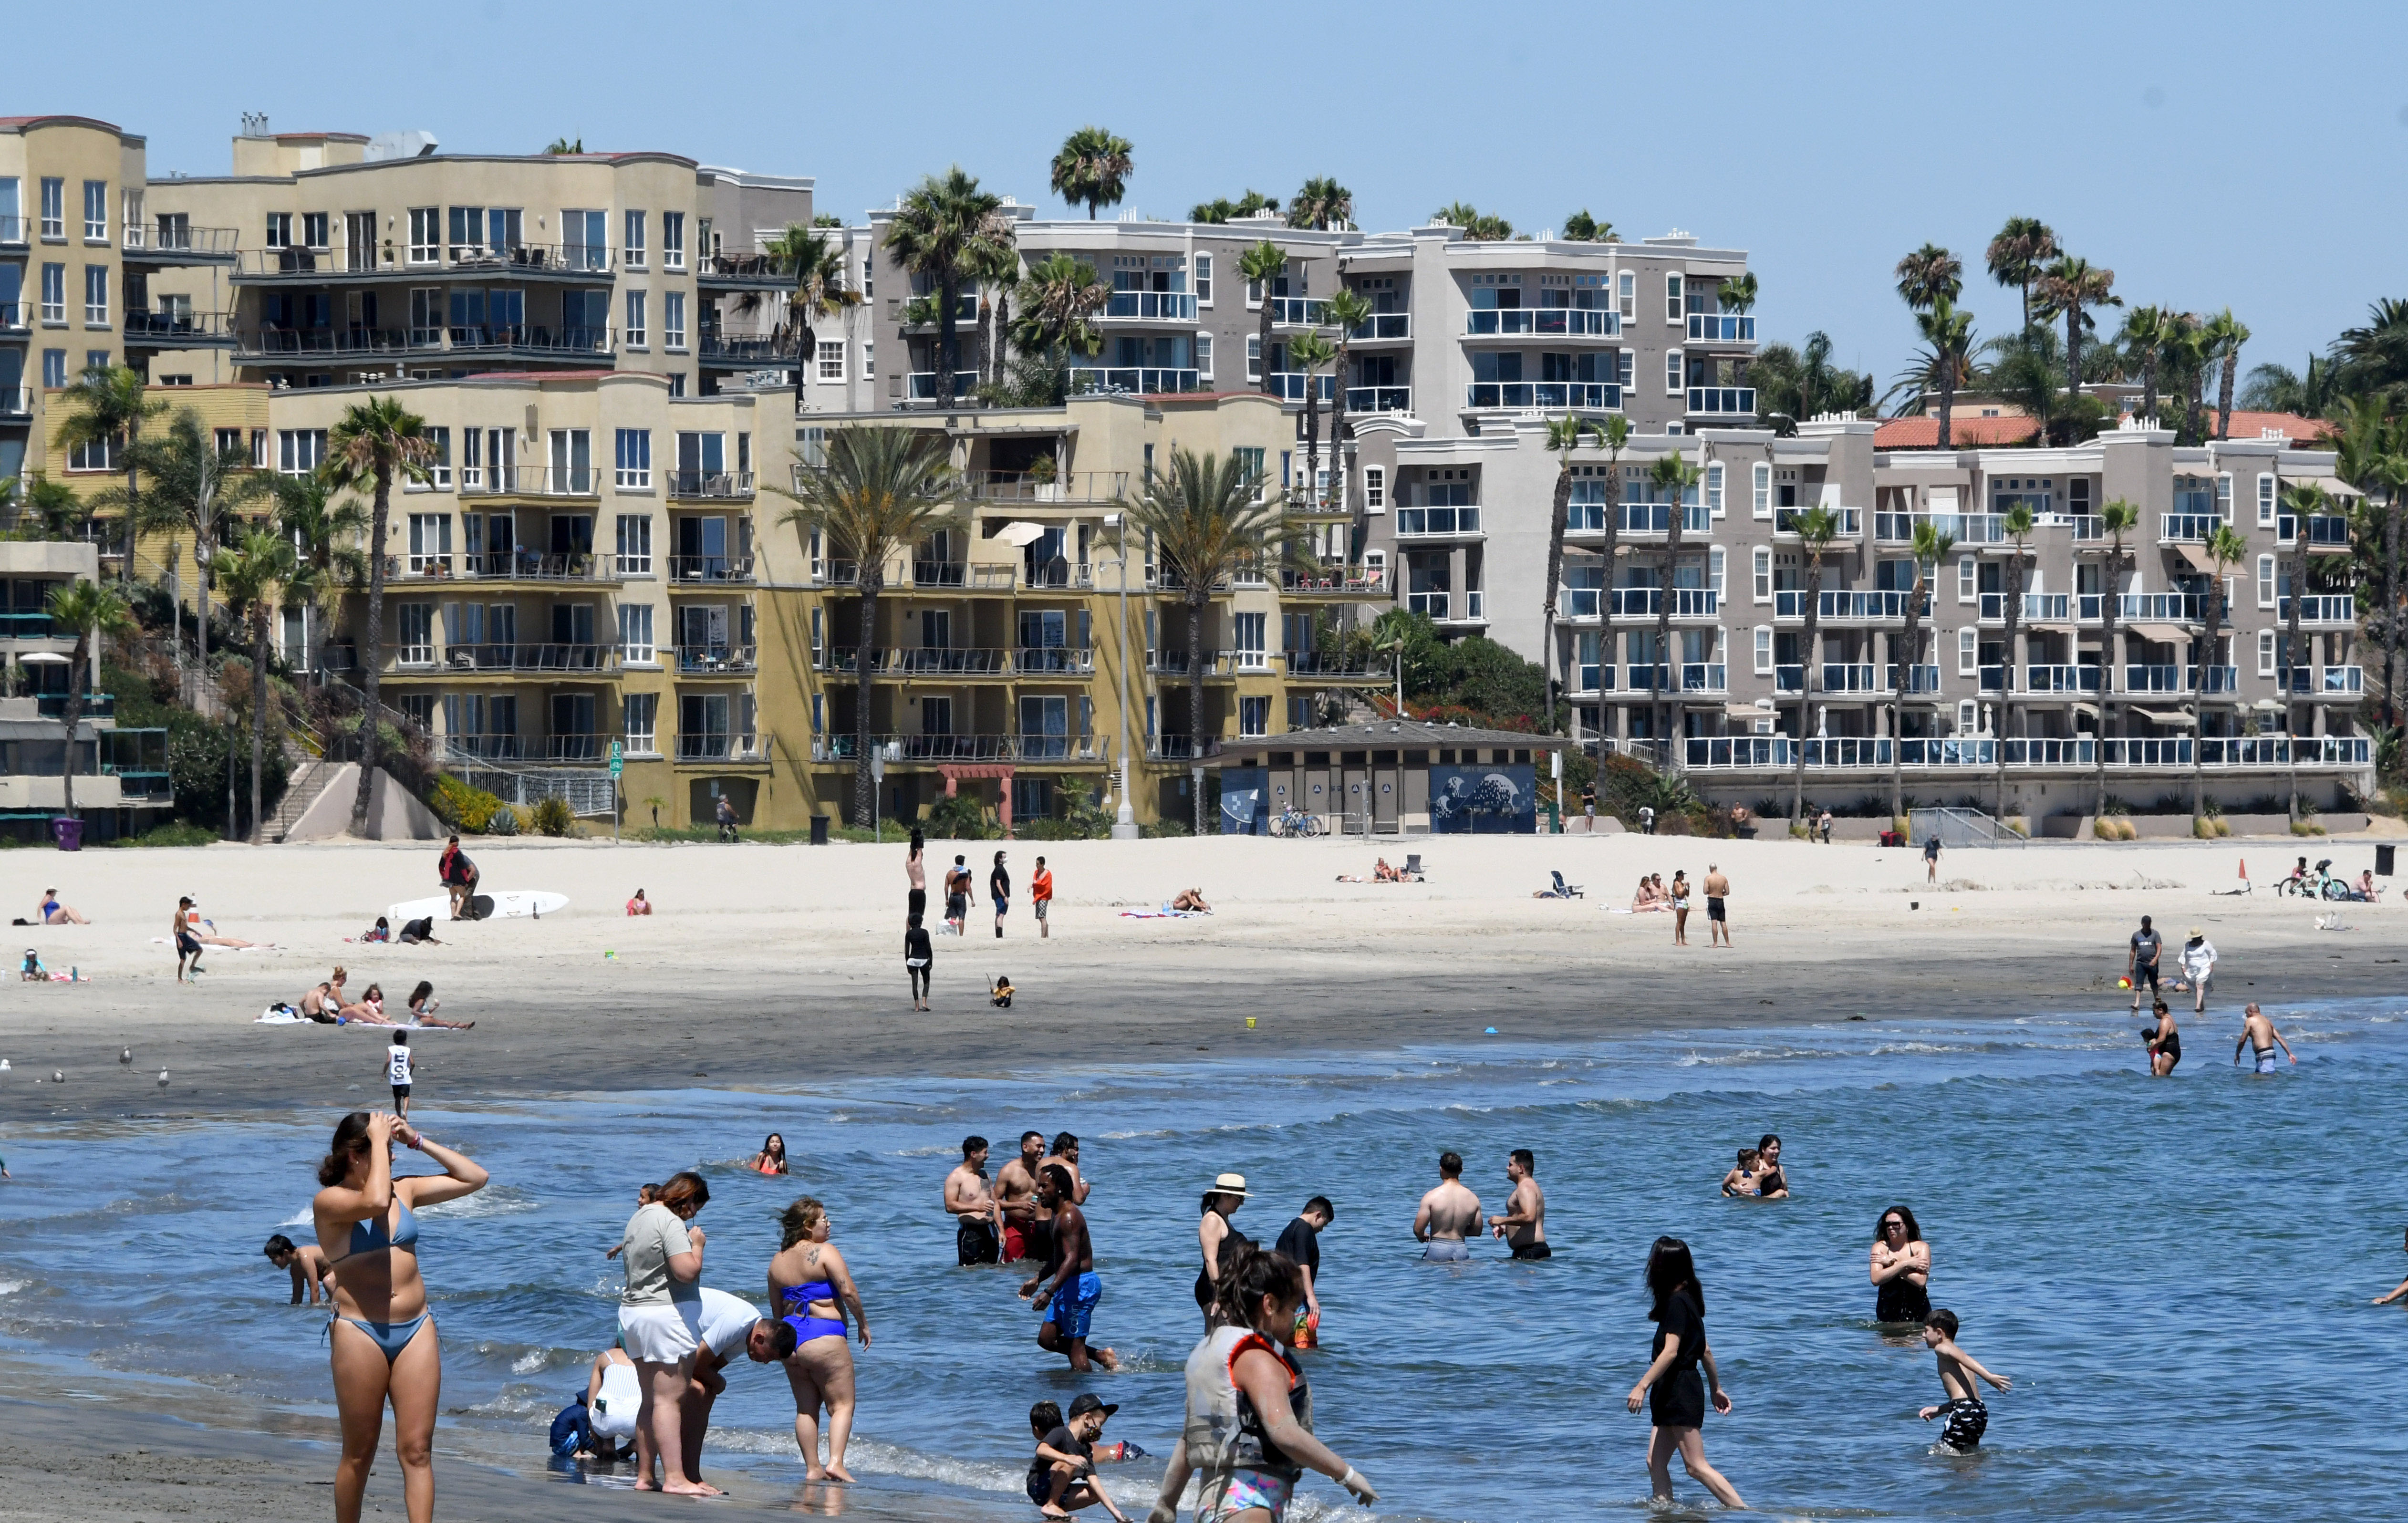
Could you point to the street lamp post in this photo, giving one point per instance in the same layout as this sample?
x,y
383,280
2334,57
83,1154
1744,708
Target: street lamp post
x,y
1124,826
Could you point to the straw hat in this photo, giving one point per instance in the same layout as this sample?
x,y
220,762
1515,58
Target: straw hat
x,y
1231,1185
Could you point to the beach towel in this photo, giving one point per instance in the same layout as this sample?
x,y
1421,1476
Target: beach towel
x,y
281,1015
213,950
1166,912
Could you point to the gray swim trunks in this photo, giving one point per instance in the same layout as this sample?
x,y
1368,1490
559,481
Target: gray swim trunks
x,y
1447,1251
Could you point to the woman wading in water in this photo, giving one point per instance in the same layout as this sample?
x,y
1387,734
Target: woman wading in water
x,y
1675,1397
1901,1269
1221,1242
383,1341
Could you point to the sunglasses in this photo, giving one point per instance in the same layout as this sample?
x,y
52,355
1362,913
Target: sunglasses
x,y
1893,1226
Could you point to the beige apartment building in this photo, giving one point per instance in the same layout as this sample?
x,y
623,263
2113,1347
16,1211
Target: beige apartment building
x,y
121,784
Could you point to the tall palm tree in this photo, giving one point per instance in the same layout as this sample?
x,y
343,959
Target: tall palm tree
x,y
1209,517
256,570
2393,475
1322,205
2066,289
375,443
90,611
1059,297
1307,353
1615,437
108,404
1347,312
1565,436
1678,478
1222,209
1817,528
1948,337
1928,275
815,261
1932,545
1580,227
2146,331
326,534
932,235
2226,548
1738,293
1478,227
873,494
2194,357
2018,527
2375,354
2015,256
1263,264
2229,333
196,487
2116,519
992,260
1092,167
2304,503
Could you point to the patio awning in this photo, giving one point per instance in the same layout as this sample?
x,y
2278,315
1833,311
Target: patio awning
x,y
2170,634
1745,711
2333,486
42,658
2197,556
1020,534
2166,717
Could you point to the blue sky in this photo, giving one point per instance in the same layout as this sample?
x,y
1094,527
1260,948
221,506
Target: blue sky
x,y
2204,152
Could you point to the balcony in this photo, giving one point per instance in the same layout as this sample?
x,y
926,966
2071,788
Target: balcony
x,y
712,746
1641,602
568,262
1044,661
709,485
1144,381
1334,666
2322,681
2038,608
1382,327
573,747
1837,676
908,750
716,570
1550,322
1074,486
2171,755
16,317
1919,679
1656,518
2168,679
2328,531
504,565
716,661
1057,575
1722,401
172,241
31,626
1850,522
742,272
2324,609
1544,396
1437,522
1335,581
96,705
2062,678
16,403
583,660
1848,607
719,351
1166,663
918,661
180,330
269,346
1473,608
921,385
1150,306
2187,528
1722,329
1379,400
14,232
532,482
1696,677
2158,608
1289,385
1299,312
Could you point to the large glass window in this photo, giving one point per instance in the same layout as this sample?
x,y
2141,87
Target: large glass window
x,y
635,460
95,211
54,207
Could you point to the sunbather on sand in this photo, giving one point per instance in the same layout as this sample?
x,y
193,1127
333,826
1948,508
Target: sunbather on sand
x,y
1191,898
1381,873
422,1006
319,1004
1647,899
368,1011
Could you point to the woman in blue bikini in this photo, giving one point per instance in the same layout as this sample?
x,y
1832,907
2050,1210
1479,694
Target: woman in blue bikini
x,y
385,1342
809,1284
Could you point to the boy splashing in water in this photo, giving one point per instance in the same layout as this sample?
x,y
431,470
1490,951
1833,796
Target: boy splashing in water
x,y
1968,1418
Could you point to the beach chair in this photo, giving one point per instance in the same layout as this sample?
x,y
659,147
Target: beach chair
x,y
1412,869
1567,891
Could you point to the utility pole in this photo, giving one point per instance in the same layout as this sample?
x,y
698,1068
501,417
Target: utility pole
x,y
1125,826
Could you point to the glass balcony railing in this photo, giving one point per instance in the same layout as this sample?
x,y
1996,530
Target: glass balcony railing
x,y
2330,530
1847,604
1380,326
1656,518
1572,321
1849,520
1299,312
2319,608
1584,396
1289,385
2159,608
1717,401
922,385
2326,681
2187,528
1722,329
1379,400
1152,305
2062,678
1139,379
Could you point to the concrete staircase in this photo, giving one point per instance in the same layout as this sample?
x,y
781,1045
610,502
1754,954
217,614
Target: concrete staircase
x,y
300,793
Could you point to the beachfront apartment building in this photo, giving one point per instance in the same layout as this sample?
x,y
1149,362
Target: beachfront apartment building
x,y
121,784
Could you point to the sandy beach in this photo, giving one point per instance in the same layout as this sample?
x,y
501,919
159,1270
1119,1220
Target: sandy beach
x,y
770,966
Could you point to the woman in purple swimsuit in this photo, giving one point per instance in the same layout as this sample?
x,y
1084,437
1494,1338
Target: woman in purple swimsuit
x,y
810,1285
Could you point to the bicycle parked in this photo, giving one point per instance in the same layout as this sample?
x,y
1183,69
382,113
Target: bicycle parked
x,y
1296,825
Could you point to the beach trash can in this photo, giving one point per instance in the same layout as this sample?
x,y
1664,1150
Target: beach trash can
x,y
819,830
68,831
2383,860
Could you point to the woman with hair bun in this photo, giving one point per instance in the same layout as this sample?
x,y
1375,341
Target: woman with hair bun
x,y
660,1321
810,1283
383,1346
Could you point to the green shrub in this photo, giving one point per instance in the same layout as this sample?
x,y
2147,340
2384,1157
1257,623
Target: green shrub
x,y
960,817
464,808
1166,826
174,833
553,817
502,821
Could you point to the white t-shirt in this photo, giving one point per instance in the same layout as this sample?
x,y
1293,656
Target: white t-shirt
x,y
727,1322
397,1063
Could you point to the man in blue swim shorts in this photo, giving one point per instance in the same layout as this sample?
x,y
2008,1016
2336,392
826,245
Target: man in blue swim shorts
x,y
1069,1306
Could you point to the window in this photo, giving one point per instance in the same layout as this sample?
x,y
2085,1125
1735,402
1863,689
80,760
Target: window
x,y
426,234
672,240
313,229
1763,491
672,320
54,208
2224,496
641,711
96,295
1714,570
1204,356
635,460
55,294
1763,646
1253,716
634,333
101,455
1715,488
1672,312
439,468
280,229
633,250
2265,502
95,211
1968,716
1254,358
869,360
635,544
1248,631
831,359
299,450
677,383
585,238
1964,579
1671,373
1968,651
1763,573
572,461
635,630
1203,280
2265,576
1375,489
430,544
226,440
2266,653
55,367
416,646
1627,295
95,359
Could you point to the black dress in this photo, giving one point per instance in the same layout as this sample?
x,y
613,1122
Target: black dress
x,y
1678,1399
1232,1243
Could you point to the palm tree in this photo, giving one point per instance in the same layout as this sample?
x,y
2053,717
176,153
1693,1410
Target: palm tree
x,y
2393,475
1223,210
1928,275
2375,355
1263,264
2145,335
560,145
1795,385
2226,548
375,443
932,235
1059,296
1580,227
108,404
1565,436
2018,528
1614,434
1209,517
1948,335
1322,205
1092,167
2116,519
256,570
2229,333
815,262
325,535
2310,392
2065,288
1816,529
1931,546
1678,478
2194,355
92,611
196,487
53,510
873,494
1307,353
2304,503
1737,295
1347,312
992,260
2015,256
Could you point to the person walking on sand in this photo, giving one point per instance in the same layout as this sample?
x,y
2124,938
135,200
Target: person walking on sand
x,y
958,895
1041,898
1680,895
725,812
808,1279
1524,1225
918,961
187,944
1823,826
397,1071
2198,966
1069,1303
1717,912
2141,964
998,889
916,873
1931,858
1588,805
1448,1214
969,1200
1968,1418
1675,1397
2258,1032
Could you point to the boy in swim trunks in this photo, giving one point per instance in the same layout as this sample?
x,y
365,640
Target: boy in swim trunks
x,y
1968,1418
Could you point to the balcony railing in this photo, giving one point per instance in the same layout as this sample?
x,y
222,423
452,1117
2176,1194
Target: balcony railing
x,y
1835,677
2062,678
1656,518
709,485
1437,523
1152,305
715,660
963,748
179,327
1348,581
1029,486
1723,400
1924,680
1289,385
1140,379
1473,608
1299,312
1582,396
922,385
2038,608
1373,667
726,568
1579,322
1850,521
504,565
16,401
2330,530
513,657
96,705
13,232
1168,663
743,266
750,349
577,748
1053,661
1379,399
2330,682
1696,677
2187,528
1381,326
30,627
1847,606
1722,329
533,480
713,746
265,344
2158,608
2174,753
175,238
2319,608
15,316
517,260
1642,602
1057,573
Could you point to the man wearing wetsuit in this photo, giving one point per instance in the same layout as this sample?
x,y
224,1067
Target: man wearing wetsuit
x,y
1069,1305
2258,1032
1016,1190
459,876
1448,1214
2141,966
1524,1225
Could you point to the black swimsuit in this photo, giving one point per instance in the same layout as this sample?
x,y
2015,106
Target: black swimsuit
x,y
1901,1301
1231,1243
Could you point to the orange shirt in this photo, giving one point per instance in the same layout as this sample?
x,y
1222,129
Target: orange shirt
x,y
1041,887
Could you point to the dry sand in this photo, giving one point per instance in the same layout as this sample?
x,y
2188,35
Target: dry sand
x,y
768,965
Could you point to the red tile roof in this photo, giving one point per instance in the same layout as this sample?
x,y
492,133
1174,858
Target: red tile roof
x,y
1963,432
2290,424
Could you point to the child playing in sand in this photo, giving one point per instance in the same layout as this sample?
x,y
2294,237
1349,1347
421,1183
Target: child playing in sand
x,y
1968,1418
1062,1472
1003,992
1745,1179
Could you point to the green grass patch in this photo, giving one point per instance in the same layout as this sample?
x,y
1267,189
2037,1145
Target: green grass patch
x,y
174,833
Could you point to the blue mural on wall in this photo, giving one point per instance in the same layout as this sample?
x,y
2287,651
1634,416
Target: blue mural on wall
x,y
1243,811
1484,800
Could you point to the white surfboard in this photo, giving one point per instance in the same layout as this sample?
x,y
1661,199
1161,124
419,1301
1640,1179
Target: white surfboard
x,y
514,904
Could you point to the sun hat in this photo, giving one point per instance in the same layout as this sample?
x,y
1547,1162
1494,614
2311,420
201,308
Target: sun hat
x,y
1231,1185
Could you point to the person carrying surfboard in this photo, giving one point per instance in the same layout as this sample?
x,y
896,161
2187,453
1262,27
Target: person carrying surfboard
x,y
459,876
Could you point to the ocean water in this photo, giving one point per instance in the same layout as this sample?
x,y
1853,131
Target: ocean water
x,y
2175,1275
